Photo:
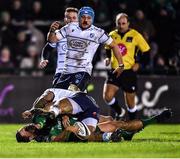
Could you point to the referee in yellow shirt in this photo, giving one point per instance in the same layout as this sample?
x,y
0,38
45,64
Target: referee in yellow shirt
x,y
129,42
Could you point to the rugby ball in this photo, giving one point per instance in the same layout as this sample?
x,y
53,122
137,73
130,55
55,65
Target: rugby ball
x,y
83,131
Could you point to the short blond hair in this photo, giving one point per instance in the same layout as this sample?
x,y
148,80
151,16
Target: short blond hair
x,y
120,15
71,9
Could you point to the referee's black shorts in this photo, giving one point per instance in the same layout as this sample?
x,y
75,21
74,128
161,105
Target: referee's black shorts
x,y
127,80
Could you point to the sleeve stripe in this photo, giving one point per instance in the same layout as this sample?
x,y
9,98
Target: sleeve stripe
x,y
101,35
62,33
108,41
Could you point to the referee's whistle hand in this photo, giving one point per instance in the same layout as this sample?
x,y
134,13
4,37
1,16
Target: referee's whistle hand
x,y
118,71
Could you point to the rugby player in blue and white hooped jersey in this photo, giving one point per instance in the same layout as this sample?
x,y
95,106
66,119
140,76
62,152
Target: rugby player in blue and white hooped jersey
x,y
70,15
83,39
56,102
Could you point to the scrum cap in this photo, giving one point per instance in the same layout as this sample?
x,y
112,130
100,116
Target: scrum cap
x,y
86,10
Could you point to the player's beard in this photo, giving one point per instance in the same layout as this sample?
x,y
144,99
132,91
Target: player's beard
x,y
85,25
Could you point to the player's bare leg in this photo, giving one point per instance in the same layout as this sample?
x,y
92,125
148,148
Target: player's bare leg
x,y
128,135
111,126
109,92
44,102
103,118
64,106
130,103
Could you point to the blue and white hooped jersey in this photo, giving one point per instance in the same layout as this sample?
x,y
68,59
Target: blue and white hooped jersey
x,y
60,93
81,46
61,47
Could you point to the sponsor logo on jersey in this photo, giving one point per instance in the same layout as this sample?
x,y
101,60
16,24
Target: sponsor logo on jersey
x,y
129,39
92,35
123,49
78,76
77,81
78,44
64,47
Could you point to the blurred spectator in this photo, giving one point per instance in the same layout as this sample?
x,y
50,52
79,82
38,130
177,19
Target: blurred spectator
x,y
5,61
160,65
31,61
157,20
20,46
35,35
163,15
146,28
175,48
103,16
7,36
121,6
18,13
125,6
143,25
102,11
77,4
152,56
54,10
174,65
36,11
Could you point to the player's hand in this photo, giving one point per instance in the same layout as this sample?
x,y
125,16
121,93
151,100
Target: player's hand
x,y
54,26
73,129
136,67
118,71
27,114
65,121
107,61
43,63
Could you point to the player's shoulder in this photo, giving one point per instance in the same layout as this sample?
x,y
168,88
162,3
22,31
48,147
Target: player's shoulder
x,y
72,24
134,32
113,32
97,29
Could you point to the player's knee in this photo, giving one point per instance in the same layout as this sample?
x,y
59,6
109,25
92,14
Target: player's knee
x,y
65,106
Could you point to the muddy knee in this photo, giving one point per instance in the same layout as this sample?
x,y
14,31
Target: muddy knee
x,y
65,106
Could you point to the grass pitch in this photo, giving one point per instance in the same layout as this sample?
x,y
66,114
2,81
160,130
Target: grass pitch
x,y
156,141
